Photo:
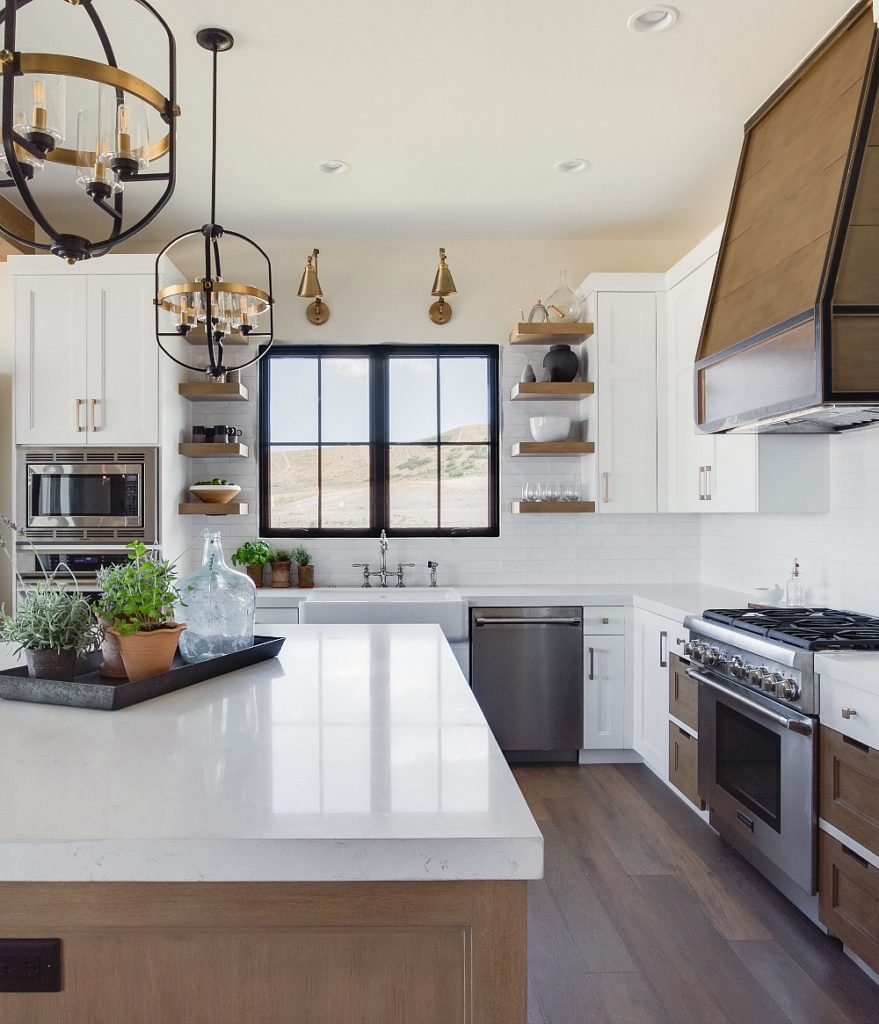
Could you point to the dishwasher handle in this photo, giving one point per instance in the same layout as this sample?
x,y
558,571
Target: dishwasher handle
x,y
533,621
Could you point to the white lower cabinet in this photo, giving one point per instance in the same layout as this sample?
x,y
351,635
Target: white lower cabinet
x,y
604,693
655,637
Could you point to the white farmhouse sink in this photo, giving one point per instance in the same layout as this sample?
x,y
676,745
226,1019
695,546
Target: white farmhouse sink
x,y
441,605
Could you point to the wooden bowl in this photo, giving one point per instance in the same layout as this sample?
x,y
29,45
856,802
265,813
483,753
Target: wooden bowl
x,y
215,494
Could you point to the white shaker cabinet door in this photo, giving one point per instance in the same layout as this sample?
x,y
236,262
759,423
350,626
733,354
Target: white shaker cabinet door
x,y
50,360
655,635
604,693
626,391
123,361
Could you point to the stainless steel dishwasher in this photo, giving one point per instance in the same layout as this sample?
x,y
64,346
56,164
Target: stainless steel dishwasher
x,y
526,670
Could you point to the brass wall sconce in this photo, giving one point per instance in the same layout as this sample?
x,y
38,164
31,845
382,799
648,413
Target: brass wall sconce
x,y
443,285
318,312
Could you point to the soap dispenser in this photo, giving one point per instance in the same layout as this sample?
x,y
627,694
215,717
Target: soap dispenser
x,y
794,591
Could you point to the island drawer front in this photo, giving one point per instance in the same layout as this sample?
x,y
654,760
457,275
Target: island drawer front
x,y
848,898
849,787
683,693
285,615
683,763
839,699
604,620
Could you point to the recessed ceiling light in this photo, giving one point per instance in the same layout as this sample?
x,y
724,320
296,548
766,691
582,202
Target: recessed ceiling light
x,y
572,166
334,167
658,18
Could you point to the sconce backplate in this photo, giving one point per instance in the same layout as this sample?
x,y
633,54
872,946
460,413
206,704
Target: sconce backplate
x,y
440,312
317,312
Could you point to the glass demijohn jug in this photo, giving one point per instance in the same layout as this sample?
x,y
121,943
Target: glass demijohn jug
x,y
217,605
563,306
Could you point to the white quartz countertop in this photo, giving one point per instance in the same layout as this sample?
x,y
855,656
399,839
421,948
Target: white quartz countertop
x,y
359,754
857,668
672,599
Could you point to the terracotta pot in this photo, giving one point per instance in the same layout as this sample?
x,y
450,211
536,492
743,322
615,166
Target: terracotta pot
x,y
139,655
51,664
306,577
255,573
280,574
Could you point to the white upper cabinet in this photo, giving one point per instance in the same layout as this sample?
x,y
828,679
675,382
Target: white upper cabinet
x,y
624,346
86,360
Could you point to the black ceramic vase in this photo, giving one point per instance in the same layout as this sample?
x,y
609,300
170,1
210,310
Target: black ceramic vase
x,y
562,363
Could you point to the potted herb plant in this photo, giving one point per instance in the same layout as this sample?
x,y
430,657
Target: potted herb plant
x,y
306,569
136,606
253,555
53,625
280,559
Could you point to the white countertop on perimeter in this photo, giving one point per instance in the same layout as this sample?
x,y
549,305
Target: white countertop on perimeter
x,y
359,754
857,668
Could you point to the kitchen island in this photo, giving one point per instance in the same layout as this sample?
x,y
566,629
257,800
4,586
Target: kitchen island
x,y
329,836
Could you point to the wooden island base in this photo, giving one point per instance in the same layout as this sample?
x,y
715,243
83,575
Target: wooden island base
x,y
266,952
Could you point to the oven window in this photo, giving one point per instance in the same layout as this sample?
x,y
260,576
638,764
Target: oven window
x,y
749,764
84,494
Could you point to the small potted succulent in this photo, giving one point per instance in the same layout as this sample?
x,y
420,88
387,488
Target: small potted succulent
x,y
54,626
253,555
136,607
280,559
306,569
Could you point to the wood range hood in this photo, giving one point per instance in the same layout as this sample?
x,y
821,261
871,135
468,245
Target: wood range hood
x,y
790,341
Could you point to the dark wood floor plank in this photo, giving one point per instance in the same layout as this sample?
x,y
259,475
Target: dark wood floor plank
x,y
627,999
599,945
705,948
560,983
799,997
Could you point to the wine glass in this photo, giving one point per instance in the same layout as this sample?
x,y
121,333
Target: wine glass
x,y
529,491
553,491
572,491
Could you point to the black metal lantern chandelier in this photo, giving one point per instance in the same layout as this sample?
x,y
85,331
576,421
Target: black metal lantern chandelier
x,y
226,312
111,146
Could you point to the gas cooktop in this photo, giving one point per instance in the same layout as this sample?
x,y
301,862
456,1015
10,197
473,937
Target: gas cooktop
x,y
809,629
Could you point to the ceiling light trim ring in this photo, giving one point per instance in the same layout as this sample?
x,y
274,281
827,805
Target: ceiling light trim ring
x,y
641,25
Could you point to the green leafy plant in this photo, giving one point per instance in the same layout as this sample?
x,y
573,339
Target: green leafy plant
x,y
137,595
49,617
280,555
301,556
252,552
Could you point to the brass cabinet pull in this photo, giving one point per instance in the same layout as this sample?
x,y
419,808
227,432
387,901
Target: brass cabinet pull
x,y
605,477
708,494
849,713
93,402
663,657
77,425
701,483
591,662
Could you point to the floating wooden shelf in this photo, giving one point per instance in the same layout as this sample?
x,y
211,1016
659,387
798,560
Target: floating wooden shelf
x,y
208,392
210,450
204,508
529,448
550,334
200,339
547,391
554,507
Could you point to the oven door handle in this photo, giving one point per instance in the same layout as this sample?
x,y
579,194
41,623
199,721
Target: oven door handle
x,y
794,724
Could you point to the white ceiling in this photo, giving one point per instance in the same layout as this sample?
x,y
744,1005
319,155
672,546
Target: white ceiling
x,y
452,115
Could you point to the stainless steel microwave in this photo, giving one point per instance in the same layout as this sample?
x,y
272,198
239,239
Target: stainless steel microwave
x,y
94,494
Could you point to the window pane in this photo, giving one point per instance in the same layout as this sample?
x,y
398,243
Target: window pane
x,y
413,497
344,403
345,487
464,486
293,398
412,399
464,399
293,488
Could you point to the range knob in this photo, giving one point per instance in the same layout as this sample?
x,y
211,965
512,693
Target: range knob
x,y
770,681
735,665
788,689
698,651
688,648
755,675
712,656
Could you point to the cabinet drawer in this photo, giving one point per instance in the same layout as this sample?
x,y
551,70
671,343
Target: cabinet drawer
x,y
683,693
603,621
848,898
281,615
683,763
836,697
849,787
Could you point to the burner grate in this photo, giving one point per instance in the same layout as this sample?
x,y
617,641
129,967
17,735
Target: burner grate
x,y
810,629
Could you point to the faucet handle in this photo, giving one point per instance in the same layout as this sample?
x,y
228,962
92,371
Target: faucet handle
x,y
433,566
400,567
365,567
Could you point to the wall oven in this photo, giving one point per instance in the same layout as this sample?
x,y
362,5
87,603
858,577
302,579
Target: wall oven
x,y
94,495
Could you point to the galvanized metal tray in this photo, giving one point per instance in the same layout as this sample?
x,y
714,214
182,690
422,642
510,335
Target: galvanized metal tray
x,y
93,690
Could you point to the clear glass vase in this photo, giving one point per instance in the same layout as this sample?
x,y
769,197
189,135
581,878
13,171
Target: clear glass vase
x,y
562,306
217,606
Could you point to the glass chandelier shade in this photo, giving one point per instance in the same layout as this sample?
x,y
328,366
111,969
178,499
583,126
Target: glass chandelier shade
x,y
106,140
212,312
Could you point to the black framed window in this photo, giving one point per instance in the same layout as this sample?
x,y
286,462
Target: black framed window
x,y
354,440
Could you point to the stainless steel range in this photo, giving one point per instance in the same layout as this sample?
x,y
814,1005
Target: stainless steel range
x,y
758,730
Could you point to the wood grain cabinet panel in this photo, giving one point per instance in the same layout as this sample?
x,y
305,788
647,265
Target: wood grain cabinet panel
x,y
683,763
849,898
849,787
683,693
